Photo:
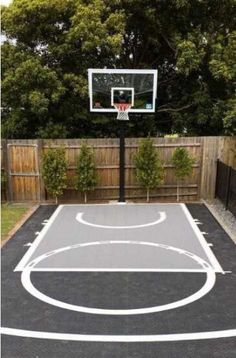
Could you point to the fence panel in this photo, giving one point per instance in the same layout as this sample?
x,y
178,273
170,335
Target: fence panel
x,y
226,186
23,171
22,161
106,152
221,179
209,160
190,187
227,151
232,192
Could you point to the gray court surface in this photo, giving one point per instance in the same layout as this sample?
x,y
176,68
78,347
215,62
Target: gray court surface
x,y
119,237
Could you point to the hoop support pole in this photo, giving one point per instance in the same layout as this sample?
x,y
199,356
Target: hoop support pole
x,y
122,163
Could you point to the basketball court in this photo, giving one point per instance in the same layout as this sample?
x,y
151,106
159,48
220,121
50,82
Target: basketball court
x,y
119,280
129,276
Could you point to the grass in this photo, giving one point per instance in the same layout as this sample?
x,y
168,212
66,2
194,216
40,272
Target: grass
x,y
10,215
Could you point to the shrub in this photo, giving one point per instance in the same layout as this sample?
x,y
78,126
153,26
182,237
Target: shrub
x,y
182,162
149,168
86,176
54,172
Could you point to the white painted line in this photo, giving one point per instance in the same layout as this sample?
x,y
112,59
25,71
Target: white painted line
x,y
126,203
28,244
209,283
49,269
213,260
79,218
37,241
120,338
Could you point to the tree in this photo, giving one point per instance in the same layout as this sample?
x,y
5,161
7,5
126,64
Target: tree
x,y
192,44
50,45
86,176
149,169
54,171
183,163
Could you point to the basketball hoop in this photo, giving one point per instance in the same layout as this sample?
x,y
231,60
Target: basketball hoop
x,y
123,110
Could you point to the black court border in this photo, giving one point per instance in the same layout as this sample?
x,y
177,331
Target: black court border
x,y
16,347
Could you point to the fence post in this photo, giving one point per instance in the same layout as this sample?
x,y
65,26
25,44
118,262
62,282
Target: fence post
x,y
228,188
217,173
41,181
5,166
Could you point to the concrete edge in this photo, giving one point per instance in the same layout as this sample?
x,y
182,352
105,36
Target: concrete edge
x,y
19,224
220,221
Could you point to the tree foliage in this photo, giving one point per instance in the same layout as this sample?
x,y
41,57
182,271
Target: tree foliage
x,y
149,169
183,163
86,175
51,44
54,171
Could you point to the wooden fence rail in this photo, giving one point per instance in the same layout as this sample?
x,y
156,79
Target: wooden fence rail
x,y
22,162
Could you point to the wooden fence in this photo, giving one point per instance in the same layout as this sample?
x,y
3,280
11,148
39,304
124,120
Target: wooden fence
x,y
22,162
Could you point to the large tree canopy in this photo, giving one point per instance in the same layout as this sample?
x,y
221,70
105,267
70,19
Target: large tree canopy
x,y
51,44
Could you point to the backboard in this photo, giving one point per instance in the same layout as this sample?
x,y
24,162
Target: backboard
x,y
108,87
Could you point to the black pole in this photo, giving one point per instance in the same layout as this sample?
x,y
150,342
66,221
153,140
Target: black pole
x,y
122,163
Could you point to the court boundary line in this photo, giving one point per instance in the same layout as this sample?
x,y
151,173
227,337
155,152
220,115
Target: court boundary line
x,y
29,253
209,253
229,333
116,270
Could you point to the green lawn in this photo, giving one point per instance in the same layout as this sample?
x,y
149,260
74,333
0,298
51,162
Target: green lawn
x,y
10,215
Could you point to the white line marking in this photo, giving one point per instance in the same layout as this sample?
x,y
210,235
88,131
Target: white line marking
x,y
49,269
126,203
37,241
79,218
213,260
120,338
209,283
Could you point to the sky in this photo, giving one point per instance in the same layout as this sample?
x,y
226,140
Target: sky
x,y
5,2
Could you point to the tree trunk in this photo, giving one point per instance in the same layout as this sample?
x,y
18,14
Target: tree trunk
x,y
147,195
85,197
178,191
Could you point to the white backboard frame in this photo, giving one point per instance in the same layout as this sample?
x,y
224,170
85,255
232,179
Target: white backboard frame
x,y
125,71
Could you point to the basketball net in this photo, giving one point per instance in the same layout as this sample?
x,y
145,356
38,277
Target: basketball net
x,y
123,110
